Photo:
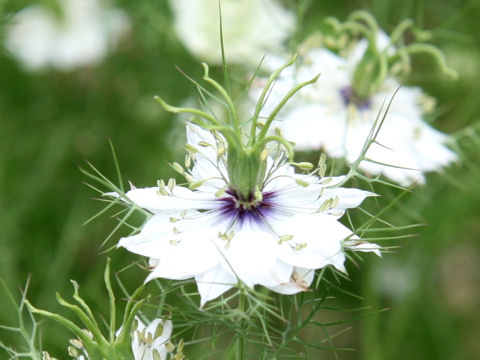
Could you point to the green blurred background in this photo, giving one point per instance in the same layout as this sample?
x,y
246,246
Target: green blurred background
x,y
51,121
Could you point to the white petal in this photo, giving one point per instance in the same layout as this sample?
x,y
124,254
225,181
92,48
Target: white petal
x,y
252,257
348,197
181,198
159,342
300,281
363,246
193,254
322,238
213,283
182,249
143,351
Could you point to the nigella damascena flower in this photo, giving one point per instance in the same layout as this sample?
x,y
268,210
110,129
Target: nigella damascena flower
x,y
250,28
337,113
73,33
276,236
150,342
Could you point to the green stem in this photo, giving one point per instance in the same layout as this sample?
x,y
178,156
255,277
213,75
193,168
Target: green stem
x,y
240,344
261,99
436,54
111,296
176,110
282,103
274,138
360,15
228,99
65,322
400,30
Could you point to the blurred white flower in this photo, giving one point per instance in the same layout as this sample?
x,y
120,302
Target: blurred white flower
x,y
149,342
276,237
80,33
250,28
329,115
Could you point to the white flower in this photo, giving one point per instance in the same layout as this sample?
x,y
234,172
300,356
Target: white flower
x,y
250,28
151,339
328,115
80,34
276,238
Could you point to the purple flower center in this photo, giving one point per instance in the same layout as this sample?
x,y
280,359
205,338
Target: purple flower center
x,y
349,97
238,209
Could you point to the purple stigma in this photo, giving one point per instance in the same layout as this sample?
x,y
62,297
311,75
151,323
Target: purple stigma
x,y
349,97
238,209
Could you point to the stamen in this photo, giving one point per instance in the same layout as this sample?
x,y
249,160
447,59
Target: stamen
x,y
300,246
161,188
178,168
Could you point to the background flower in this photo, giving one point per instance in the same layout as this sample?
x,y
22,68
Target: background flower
x,y
250,28
339,121
77,33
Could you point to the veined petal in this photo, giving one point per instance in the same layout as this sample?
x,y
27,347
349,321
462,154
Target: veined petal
x,y
188,254
208,165
347,197
299,281
317,241
202,140
251,255
363,246
182,248
143,350
213,283
165,336
180,198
